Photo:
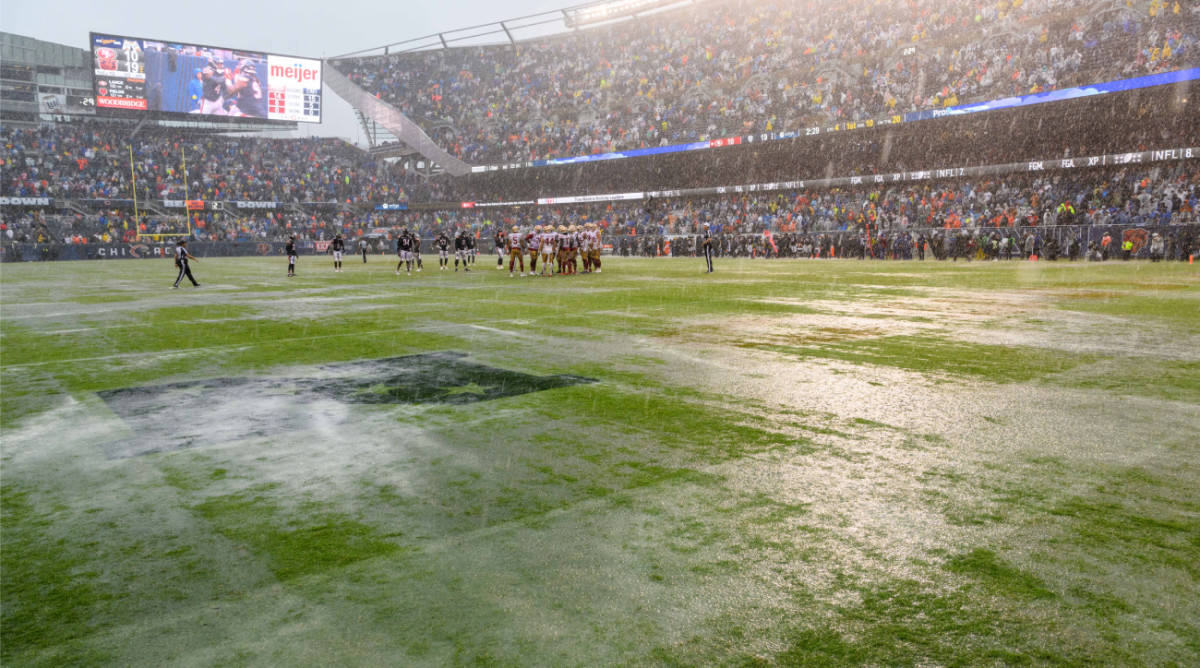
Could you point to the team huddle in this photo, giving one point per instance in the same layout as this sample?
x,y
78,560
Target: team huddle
x,y
560,250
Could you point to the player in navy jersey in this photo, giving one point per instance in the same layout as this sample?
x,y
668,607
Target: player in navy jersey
x,y
461,244
404,246
213,79
337,247
442,243
416,250
290,249
181,261
501,241
244,87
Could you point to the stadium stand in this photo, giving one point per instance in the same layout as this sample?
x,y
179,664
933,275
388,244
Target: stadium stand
x,y
723,69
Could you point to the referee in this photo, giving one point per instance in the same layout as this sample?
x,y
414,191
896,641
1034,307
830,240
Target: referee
x,y
706,245
181,261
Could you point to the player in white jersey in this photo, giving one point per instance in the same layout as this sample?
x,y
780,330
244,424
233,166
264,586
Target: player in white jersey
x,y
548,243
515,252
533,242
597,247
561,247
587,246
584,245
572,250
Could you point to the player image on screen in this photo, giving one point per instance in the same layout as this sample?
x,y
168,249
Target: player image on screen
x,y
212,82
212,79
245,90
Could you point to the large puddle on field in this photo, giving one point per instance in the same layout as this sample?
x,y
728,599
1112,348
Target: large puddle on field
x,y
176,416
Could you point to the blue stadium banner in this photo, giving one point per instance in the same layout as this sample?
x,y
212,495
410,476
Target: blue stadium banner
x,y
1148,81
1059,95
391,206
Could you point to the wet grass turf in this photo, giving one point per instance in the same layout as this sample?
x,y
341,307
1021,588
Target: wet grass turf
x,y
680,511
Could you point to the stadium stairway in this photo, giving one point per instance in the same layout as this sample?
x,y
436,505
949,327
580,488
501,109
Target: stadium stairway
x,y
397,123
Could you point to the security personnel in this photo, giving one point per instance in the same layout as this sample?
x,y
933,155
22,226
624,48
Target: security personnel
x,y
181,261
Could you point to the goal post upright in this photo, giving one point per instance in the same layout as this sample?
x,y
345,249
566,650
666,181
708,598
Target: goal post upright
x,y
137,231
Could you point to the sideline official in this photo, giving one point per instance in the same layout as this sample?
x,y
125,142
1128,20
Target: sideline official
x,y
707,247
181,261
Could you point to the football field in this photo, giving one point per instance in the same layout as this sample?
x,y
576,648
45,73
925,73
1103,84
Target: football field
x,y
781,463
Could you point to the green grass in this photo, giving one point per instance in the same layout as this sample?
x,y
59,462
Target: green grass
x,y
780,464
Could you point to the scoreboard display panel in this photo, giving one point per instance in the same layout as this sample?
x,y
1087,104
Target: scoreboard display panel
x,y
139,74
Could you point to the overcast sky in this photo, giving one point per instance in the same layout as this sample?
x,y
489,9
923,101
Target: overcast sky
x,y
315,28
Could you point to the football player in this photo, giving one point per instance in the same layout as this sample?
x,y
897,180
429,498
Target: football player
x,y
515,252
243,87
404,252
337,247
533,242
585,245
416,250
500,243
461,246
562,249
597,246
572,250
443,248
213,78
548,241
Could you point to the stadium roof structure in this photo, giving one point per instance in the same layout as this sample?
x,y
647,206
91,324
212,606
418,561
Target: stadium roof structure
x,y
543,23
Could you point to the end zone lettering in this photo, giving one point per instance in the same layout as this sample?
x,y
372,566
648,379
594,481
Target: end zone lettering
x,y
25,201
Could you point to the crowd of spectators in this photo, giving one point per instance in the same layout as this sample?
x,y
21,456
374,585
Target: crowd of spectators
x,y
1152,119
1115,197
721,69
91,161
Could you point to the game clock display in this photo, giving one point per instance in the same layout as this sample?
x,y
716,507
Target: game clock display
x,y
174,78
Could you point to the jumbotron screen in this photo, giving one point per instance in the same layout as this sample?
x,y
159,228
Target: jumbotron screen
x,y
147,75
